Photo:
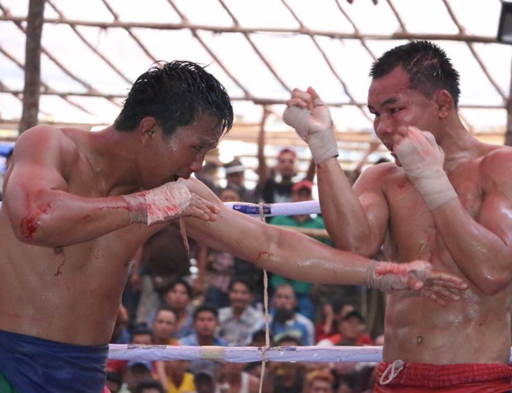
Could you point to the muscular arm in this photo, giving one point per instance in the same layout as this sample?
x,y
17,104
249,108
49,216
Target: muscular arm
x,y
354,223
482,247
41,209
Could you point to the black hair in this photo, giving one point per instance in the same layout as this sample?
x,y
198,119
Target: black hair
x,y
206,308
165,308
181,281
149,384
141,329
427,65
175,94
239,280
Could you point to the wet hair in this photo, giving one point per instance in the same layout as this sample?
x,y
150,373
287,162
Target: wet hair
x,y
175,94
427,65
180,281
206,308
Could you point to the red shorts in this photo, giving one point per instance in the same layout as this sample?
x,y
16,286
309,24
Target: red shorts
x,y
464,378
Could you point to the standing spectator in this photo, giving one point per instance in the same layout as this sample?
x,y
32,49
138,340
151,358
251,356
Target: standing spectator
x,y
164,327
235,179
179,300
240,320
301,191
284,319
270,189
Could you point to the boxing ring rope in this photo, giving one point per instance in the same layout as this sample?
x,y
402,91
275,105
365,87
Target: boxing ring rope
x,y
276,209
246,354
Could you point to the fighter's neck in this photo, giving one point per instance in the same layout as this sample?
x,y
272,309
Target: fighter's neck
x,y
111,156
459,146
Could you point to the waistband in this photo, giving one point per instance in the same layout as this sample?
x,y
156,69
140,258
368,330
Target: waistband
x,y
439,376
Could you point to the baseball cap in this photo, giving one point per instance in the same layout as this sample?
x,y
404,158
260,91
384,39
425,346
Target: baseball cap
x,y
144,363
304,184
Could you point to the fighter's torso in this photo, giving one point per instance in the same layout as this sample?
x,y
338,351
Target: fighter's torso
x,y
68,294
475,329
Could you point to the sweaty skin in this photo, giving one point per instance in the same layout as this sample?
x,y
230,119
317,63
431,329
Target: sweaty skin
x,y
469,236
68,182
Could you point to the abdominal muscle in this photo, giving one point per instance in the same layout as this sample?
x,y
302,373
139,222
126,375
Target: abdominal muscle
x,y
475,329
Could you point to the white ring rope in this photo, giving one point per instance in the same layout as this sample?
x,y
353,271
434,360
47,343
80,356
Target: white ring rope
x,y
246,354
272,209
276,209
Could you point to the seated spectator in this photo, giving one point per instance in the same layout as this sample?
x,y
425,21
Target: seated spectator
x,y
284,319
178,379
234,380
205,378
136,371
287,377
114,382
332,313
351,331
164,326
320,381
149,387
142,335
206,322
301,192
218,266
179,299
239,321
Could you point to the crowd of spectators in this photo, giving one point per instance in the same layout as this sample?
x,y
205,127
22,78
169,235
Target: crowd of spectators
x,y
221,304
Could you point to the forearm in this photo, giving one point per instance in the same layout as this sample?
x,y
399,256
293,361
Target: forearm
x,y
57,218
479,253
344,217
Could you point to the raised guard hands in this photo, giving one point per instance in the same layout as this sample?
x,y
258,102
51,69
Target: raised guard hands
x,y
311,119
422,160
417,276
166,203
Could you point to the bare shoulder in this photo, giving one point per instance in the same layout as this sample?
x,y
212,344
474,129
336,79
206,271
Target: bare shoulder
x,y
497,163
377,176
43,138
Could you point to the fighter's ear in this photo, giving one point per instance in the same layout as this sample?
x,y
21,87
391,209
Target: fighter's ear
x,y
445,104
148,127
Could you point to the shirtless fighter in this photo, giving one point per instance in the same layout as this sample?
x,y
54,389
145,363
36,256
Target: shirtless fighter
x,y
446,199
78,205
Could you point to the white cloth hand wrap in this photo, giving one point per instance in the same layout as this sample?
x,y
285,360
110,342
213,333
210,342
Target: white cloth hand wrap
x,y
160,204
423,162
321,142
388,276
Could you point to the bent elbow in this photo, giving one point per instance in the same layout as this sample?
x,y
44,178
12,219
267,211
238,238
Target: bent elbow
x,y
31,230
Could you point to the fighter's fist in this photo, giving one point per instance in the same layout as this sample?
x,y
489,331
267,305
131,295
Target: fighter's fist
x,y
311,119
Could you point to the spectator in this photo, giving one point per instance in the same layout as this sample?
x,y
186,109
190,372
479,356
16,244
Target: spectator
x,y
301,191
269,188
178,379
287,377
149,387
206,322
121,335
233,379
205,378
114,382
239,321
320,381
332,313
235,180
178,298
162,260
164,327
284,319
351,331
136,371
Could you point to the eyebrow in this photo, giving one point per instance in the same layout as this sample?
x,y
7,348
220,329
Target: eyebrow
x,y
392,100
